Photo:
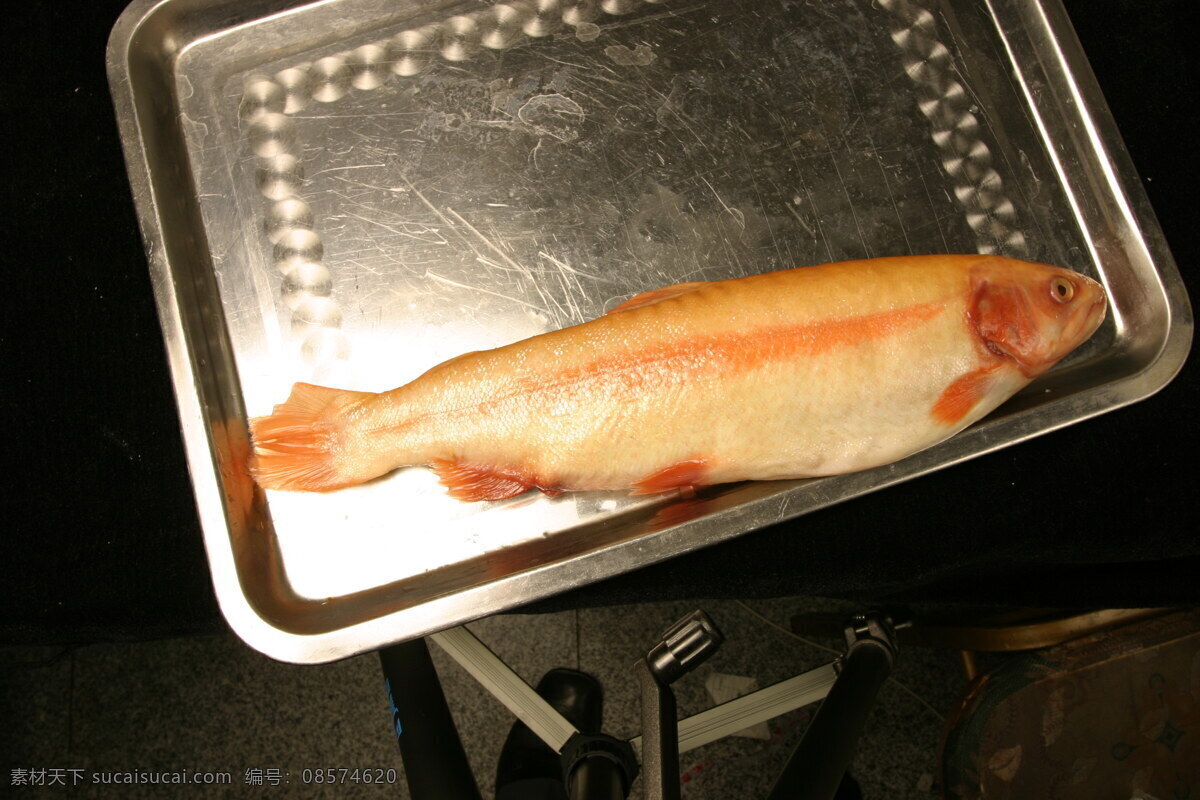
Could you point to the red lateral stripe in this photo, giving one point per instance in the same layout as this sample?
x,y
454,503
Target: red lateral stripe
x,y
734,352
625,375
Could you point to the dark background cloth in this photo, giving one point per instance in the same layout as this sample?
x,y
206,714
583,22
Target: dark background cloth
x,y
101,539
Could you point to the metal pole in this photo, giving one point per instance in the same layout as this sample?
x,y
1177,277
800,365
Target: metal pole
x,y
820,760
684,646
602,777
660,737
435,764
506,686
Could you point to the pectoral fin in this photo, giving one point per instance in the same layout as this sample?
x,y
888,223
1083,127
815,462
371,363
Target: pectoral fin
x,y
957,400
682,475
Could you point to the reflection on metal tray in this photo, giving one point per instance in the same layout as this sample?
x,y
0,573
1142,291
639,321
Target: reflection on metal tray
x,y
353,191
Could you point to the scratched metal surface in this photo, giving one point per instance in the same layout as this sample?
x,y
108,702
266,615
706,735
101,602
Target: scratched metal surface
x,y
521,190
382,186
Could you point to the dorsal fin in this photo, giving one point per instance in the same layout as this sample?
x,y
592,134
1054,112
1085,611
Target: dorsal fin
x,y
657,296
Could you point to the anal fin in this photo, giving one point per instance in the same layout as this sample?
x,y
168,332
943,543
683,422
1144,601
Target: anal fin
x,y
473,483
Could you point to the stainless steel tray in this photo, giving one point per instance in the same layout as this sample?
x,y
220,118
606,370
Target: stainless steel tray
x,y
351,191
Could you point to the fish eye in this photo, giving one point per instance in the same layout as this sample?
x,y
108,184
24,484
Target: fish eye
x,y
1061,290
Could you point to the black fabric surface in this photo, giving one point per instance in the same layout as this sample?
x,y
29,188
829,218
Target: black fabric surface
x,y
101,538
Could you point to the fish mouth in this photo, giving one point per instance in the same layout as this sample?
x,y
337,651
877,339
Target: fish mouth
x,y
1082,326
1091,320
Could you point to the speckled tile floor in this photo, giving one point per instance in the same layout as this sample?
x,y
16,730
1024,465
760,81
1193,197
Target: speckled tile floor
x,y
211,704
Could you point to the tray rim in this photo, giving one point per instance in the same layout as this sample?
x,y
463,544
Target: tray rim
x,y
253,623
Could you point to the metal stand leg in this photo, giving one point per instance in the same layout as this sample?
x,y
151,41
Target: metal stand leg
x,y
600,767
686,645
435,764
820,760
506,686
595,767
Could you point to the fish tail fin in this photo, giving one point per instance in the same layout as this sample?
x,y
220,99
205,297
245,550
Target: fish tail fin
x,y
295,447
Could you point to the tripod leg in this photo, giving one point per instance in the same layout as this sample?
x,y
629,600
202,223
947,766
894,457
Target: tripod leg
x,y
816,767
435,764
600,779
685,645
660,737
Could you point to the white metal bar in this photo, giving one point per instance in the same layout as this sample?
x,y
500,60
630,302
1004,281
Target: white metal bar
x,y
506,686
751,709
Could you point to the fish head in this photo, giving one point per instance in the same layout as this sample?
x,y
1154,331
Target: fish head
x,y
1033,314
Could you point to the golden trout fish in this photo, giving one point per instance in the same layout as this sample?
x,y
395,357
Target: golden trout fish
x,y
798,373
